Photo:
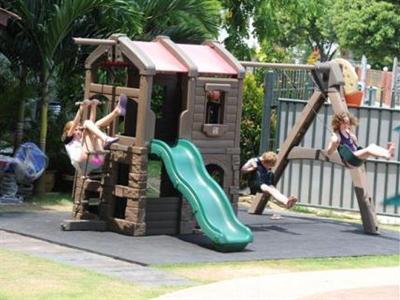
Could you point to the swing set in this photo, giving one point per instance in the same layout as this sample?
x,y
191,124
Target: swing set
x,y
329,81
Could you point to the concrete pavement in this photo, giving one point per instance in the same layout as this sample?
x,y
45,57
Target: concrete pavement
x,y
354,284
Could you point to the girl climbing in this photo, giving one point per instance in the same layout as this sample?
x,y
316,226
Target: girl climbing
x,y
85,144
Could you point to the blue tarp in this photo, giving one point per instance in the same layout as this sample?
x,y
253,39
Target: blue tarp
x,y
28,163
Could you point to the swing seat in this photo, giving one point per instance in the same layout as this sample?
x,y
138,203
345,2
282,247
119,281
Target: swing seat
x,y
348,156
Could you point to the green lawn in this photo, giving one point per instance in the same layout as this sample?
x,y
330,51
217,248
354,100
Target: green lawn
x,y
23,277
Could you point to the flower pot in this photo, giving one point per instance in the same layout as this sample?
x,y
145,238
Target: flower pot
x,y
354,99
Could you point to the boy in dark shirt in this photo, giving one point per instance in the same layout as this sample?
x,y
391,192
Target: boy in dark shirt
x,y
263,166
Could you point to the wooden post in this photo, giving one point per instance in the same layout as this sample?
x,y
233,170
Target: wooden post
x,y
293,139
395,83
298,131
266,116
145,116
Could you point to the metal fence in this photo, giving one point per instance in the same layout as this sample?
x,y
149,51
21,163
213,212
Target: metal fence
x,y
324,184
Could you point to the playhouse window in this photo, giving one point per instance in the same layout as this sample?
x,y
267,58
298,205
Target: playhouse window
x,y
215,106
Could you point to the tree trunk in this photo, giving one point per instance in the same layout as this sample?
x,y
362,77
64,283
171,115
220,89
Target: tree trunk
x,y
19,132
40,186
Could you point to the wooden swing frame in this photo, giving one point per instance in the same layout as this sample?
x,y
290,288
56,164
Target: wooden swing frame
x,y
329,83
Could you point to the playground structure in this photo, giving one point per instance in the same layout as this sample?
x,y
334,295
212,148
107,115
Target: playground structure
x,y
317,183
198,118
329,82
200,87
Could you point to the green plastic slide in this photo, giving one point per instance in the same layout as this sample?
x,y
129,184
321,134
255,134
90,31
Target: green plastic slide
x,y
211,206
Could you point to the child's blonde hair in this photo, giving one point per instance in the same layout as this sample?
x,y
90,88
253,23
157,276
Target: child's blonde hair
x,y
67,127
269,158
338,119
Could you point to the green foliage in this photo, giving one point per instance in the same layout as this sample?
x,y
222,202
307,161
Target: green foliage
x,y
11,96
288,29
250,129
42,43
157,101
368,27
52,199
182,20
273,53
236,23
287,23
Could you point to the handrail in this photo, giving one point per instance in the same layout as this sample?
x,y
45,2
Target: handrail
x,y
89,41
277,65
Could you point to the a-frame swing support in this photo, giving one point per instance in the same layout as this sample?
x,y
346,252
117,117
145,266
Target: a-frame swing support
x,y
329,80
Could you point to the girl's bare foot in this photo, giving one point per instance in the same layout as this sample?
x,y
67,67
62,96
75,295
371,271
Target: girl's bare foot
x,y
391,147
291,202
276,217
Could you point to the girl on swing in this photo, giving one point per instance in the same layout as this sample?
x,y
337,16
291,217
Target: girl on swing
x,y
82,141
343,137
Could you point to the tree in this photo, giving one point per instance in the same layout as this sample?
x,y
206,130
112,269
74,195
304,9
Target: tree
x,y
43,29
46,28
290,23
253,95
371,28
237,16
14,48
184,21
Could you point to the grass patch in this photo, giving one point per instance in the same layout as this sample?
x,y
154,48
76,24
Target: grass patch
x,y
340,215
154,175
154,168
23,277
49,201
327,213
52,199
212,272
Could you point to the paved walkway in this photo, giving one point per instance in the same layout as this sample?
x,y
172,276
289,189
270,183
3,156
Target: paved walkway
x,y
102,264
351,284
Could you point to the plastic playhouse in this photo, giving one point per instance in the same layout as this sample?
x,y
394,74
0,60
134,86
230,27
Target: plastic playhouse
x,y
184,106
